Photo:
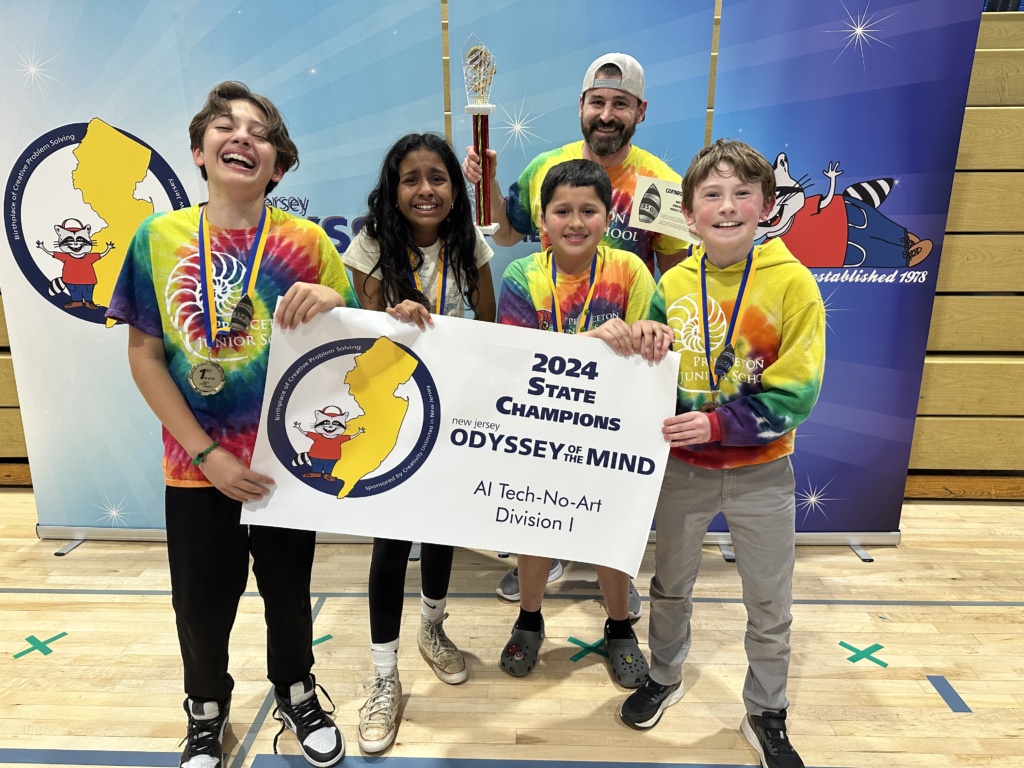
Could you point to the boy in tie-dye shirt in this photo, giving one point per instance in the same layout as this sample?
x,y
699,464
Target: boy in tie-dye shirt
x,y
579,287
198,290
749,323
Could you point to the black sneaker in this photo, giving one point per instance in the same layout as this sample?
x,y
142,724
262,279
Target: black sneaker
x,y
319,738
206,724
767,735
644,706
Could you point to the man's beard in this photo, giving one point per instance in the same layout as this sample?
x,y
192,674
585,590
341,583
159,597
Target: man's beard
x,y
603,145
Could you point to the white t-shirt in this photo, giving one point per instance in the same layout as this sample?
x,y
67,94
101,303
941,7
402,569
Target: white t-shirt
x,y
363,253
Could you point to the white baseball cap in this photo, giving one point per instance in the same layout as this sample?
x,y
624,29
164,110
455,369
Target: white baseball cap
x,y
632,74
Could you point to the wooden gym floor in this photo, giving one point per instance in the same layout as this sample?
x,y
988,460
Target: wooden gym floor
x,y
886,655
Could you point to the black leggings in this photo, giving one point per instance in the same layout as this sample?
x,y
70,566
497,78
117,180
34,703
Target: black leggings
x,y
387,582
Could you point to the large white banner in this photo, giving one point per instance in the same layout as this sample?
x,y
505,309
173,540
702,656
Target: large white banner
x,y
470,434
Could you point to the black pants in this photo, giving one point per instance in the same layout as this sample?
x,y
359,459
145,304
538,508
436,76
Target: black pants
x,y
387,582
208,551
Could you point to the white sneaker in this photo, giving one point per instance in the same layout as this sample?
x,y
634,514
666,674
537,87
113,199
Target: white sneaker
x,y
441,654
508,587
636,606
378,717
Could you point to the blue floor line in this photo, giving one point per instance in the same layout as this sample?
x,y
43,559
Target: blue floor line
x,y
548,596
57,757
245,745
296,761
89,757
114,759
950,696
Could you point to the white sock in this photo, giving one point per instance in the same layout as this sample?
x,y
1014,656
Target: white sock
x,y
385,658
432,609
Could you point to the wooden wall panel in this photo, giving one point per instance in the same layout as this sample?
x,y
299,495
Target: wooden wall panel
x,y
981,263
12,436
992,137
963,443
987,202
977,324
5,340
957,487
1001,30
15,473
972,385
997,79
8,392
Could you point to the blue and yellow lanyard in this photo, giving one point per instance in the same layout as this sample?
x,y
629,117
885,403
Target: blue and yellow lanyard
x,y
583,322
715,375
442,284
214,328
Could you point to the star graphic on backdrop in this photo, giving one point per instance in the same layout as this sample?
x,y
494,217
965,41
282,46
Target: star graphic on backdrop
x,y
860,32
33,69
516,126
669,159
113,514
830,310
812,500
313,71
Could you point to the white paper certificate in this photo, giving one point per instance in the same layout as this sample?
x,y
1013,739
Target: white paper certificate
x,y
658,206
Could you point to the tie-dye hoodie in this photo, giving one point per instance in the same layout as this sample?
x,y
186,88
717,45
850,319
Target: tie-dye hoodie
x,y
159,293
524,200
780,352
623,289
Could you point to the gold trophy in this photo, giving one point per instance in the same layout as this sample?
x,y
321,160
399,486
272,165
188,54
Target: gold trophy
x,y
478,70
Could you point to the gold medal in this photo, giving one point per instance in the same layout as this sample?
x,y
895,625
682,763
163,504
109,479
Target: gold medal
x,y
708,406
206,378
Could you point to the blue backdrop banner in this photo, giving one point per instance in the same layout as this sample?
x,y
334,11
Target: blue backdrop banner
x,y
859,106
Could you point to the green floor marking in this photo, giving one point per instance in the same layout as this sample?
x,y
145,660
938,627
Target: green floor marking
x,y
39,645
858,654
587,648
323,639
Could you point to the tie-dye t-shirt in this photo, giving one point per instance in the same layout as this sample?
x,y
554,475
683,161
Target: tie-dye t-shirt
x,y
622,288
524,201
159,293
779,346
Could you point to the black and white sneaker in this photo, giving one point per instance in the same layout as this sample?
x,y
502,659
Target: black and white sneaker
x,y
319,738
206,724
644,706
767,735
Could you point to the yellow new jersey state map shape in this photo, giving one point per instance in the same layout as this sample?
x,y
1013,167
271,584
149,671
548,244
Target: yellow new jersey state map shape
x,y
110,165
377,374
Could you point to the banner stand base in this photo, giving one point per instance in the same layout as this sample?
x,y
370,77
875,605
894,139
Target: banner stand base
x,y
856,541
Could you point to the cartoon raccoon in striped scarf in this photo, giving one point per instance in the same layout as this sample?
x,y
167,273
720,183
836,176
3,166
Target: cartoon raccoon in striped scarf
x,y
845,230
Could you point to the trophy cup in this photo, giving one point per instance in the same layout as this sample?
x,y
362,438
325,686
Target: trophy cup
x,y
478,70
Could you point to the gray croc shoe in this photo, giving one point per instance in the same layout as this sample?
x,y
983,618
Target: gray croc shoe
x,y
520,653
628,663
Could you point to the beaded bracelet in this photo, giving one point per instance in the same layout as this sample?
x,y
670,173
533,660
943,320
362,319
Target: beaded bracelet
x,y
203,454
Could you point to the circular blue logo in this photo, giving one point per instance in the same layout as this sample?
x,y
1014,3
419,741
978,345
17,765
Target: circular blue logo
x,y
308,405
71,205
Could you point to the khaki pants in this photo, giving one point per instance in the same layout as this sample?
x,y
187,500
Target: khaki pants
x,y
759,506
